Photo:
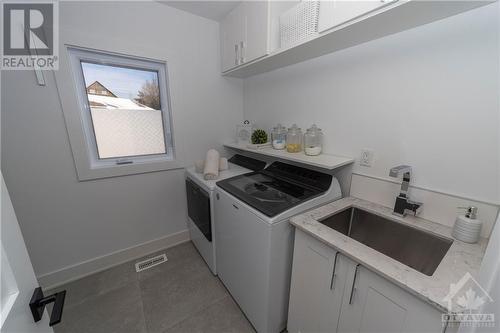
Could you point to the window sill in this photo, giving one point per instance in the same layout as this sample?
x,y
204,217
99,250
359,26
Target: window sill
x,y
88,173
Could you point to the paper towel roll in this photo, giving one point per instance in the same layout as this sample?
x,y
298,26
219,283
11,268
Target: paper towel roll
x,y
211,170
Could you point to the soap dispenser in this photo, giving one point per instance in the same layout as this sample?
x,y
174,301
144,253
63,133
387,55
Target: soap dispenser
x,y
467,227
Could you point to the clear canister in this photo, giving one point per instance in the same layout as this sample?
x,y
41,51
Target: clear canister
x,y
313,141
294,139
278,137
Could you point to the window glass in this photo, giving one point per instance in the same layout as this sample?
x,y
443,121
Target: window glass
x,y
125,109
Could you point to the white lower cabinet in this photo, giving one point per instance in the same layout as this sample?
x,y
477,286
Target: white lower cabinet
x,y
317,286
358,300
373,304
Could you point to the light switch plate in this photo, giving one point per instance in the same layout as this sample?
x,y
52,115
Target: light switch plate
x,y
366,158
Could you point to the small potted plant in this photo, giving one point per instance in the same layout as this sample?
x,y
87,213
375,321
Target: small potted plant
x,y
259,139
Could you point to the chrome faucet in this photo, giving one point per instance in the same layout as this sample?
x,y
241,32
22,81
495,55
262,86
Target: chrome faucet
x,y
403,204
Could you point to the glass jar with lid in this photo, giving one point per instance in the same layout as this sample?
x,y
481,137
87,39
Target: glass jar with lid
x,y
278,137
294,139
313,141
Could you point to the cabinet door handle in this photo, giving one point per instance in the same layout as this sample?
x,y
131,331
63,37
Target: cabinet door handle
x,y
236,55
445,326
351,297
242,52
236,207
332,282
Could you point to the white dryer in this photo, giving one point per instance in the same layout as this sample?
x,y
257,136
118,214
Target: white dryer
x,y
200,202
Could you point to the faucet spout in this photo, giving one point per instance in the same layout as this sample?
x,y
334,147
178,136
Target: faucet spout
x,y
396,171
403,203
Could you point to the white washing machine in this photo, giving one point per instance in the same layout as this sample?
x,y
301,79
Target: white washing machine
x,y
255,240
200,199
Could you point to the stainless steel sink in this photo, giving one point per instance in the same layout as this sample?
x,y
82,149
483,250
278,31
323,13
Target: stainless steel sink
x,y
418,249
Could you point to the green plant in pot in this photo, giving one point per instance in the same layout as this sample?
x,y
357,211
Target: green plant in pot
x,y
259,136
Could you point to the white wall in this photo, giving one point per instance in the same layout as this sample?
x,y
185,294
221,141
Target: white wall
x,y
66,222
427,97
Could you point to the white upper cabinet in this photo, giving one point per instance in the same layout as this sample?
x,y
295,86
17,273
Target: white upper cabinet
x,y
337,12
232,31
341,24
245,34
257,30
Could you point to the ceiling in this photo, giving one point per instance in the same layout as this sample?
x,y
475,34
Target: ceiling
x,y
214,10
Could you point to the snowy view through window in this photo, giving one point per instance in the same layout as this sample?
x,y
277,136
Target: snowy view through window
x,y
126,110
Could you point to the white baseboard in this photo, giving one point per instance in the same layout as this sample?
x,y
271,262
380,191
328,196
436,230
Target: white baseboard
x,y
91,266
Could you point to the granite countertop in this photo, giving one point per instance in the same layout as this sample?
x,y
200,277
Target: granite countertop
x,y
460,258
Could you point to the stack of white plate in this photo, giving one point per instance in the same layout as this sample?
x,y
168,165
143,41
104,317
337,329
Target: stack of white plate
x,y
466,229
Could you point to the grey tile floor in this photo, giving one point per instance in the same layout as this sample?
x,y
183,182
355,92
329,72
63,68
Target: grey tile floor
x,y
180,295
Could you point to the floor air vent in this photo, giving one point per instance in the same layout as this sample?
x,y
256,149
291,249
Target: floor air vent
x,y
148,263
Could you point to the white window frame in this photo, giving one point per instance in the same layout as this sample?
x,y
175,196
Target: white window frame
x,y
78,118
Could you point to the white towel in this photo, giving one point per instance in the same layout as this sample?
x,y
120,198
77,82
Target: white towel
x,y
223,164
211,170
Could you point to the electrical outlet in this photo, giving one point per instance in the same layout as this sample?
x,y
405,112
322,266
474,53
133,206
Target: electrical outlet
x,y
366,158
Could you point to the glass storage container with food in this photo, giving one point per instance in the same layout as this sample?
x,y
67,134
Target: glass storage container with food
x,y
313,141
294,139
278,137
